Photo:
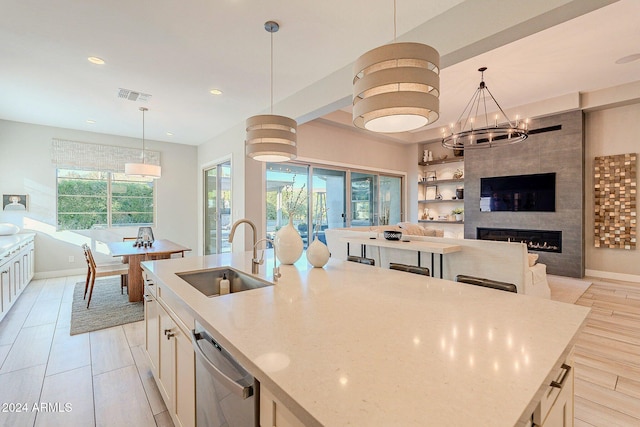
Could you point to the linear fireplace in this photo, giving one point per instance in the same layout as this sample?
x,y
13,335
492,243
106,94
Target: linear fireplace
x,y
536,240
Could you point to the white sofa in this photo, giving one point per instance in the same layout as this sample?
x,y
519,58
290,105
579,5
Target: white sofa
x,y
500,261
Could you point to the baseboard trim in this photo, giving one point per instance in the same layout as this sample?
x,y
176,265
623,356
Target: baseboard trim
x,y
613,276
60,273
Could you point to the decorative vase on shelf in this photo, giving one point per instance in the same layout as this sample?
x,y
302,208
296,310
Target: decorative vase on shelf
x,y
288,244
318,253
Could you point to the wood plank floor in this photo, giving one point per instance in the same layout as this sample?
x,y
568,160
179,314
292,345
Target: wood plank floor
x,y
607,356
101,376
105,377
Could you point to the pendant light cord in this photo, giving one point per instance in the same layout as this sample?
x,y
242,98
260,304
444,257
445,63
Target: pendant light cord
x,y
271,73
395,21
143,110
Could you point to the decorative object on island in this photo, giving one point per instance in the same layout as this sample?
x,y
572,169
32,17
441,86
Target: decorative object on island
x,y
396,87
287,241
392,234
318,253
615,196
457,212
465,135
143,169
271,138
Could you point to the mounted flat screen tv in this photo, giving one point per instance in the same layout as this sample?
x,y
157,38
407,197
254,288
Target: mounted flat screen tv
x,y
518,193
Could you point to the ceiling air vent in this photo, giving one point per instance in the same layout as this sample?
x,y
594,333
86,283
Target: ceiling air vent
x,y
132,95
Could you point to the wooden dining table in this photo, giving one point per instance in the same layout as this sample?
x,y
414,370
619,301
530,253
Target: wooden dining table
x,y
160,249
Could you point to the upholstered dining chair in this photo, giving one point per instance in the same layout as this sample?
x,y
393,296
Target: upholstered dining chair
x,y
94,271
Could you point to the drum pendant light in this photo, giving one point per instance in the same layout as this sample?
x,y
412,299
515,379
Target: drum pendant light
x,y
271,138
396,87
143,169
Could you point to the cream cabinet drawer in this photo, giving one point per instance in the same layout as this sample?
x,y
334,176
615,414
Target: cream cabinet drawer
x,y
562,383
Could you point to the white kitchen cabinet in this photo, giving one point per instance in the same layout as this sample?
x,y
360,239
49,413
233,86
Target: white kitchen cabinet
x,y
16,268
169,350
273,413
556,406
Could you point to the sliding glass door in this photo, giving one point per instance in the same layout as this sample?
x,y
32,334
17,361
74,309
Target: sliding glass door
x,y
328,197
329,201
217,205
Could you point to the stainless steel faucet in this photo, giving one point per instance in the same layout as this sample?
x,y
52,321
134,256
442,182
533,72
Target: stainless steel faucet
x,y
276,269
255,264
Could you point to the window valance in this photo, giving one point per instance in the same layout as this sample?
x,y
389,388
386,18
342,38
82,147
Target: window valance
x,y
111,158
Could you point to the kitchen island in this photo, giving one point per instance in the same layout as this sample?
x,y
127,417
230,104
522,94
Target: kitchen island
x,y
357,345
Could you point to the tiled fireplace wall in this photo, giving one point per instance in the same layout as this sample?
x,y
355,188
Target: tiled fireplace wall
x,y
560,151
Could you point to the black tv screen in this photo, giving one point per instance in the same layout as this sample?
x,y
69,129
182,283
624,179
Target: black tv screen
x,y
518,193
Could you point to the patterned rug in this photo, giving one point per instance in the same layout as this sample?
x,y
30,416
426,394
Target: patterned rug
x,y
567,289
108,307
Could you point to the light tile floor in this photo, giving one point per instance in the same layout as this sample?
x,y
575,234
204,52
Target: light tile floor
x,y
49,378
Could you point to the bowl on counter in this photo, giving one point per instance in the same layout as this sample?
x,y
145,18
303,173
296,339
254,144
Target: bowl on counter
x,y
392,235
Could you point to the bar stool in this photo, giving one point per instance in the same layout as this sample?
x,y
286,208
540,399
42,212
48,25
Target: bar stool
x,y
487,283
410,268
361,260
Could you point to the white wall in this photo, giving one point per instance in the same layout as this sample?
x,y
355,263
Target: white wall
x,y
26,168
610,131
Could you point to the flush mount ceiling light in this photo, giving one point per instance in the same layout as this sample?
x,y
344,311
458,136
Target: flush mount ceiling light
x,y
271,138
215,92
143,169
463,135
396,87
95,60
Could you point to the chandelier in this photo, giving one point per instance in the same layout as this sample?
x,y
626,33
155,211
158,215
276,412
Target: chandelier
x,y
465,134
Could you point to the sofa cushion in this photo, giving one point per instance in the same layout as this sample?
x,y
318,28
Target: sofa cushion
x,y
532,259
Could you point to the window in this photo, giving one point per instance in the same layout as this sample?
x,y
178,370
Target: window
x,y
90,199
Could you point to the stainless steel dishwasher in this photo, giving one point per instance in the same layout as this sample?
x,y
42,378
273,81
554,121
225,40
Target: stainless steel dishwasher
x,y
226,394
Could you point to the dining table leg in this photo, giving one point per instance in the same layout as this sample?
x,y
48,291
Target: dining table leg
x,y
135,282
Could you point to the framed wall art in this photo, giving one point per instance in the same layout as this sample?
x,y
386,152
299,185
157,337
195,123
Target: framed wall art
x,y
14,202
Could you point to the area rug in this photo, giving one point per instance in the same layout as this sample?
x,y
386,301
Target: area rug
x,y
108,307
567,289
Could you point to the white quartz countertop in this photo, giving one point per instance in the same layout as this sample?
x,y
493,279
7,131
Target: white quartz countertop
x,y
351,344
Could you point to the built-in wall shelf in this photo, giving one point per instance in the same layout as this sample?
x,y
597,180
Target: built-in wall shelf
x,y
443,161
437,221
435,183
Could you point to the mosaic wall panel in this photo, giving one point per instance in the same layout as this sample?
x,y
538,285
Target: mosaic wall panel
x,y
615,201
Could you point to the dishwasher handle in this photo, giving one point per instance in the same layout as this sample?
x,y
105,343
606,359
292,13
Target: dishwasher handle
x,y
244,391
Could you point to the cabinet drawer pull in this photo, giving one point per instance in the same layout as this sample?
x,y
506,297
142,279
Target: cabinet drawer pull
x,y
147,299
166,331
559,384
170,335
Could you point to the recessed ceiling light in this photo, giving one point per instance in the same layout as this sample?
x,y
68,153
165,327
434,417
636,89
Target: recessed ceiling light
x,y
169,134
628,58
215,92
91,121
96,60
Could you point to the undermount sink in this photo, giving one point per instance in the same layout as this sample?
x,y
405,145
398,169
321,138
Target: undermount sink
x,y
208,281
